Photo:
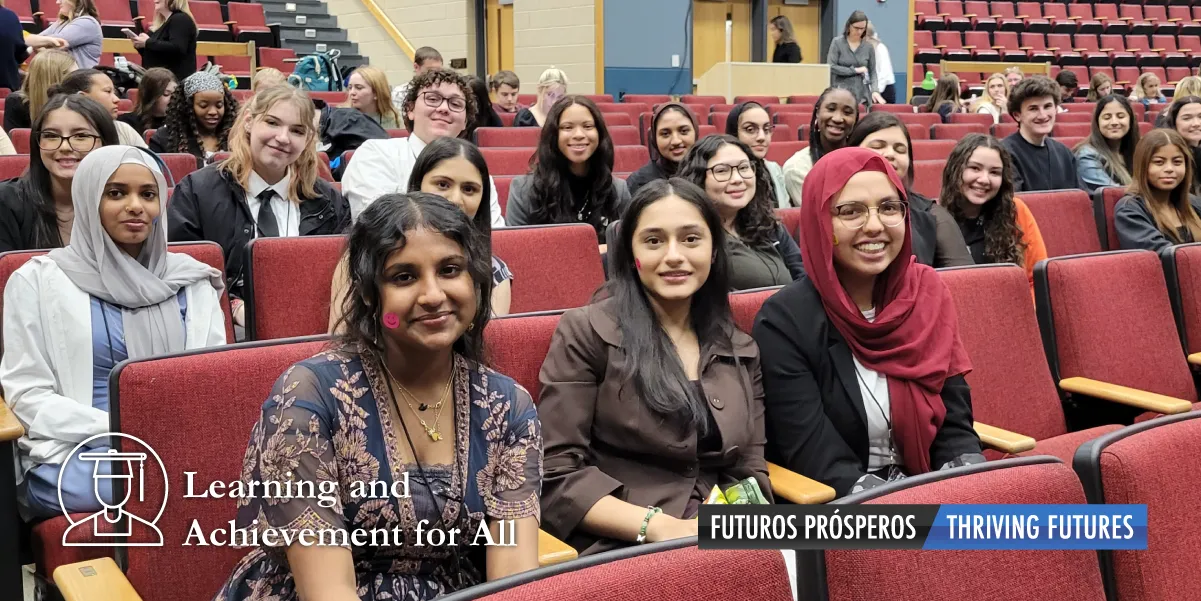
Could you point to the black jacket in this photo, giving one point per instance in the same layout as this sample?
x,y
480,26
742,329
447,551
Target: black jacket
x,y
172,46
1136,227
209,205
13,50
16,112
816,421
787,52
19,219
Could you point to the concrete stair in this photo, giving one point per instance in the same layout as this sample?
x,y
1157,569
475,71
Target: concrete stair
x,y
307,27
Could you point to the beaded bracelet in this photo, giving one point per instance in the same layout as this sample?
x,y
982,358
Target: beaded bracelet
x,y
646,522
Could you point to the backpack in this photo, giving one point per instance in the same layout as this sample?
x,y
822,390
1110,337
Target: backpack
x,y
318,72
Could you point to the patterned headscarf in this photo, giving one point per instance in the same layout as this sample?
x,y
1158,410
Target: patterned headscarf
x,y
202,81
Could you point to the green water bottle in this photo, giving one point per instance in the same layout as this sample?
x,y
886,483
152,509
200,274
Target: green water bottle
x,y
928,84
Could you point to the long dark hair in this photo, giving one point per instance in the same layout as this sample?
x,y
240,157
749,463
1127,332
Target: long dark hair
x,y
550,170
736,114
154,83
184,131
817,147
1119,165
1173,113
34,184
876,121
485,115
667,165
657,373
1179,202
382,229
1003,242
448,148
756,223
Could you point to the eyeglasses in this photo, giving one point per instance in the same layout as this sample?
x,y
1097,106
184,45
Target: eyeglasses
x,y
855,214
457,104
751,129
49,140
723,172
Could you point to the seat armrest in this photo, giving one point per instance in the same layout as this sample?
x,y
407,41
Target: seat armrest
x,y
94,580
231,23
1157,50
1195,358
1074,18
139,18
551,550
966,47
793,487
1053,48
1133,397
10,428
1003,440
970,15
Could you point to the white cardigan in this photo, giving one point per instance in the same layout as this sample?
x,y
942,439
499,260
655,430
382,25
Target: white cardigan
x,y
46,369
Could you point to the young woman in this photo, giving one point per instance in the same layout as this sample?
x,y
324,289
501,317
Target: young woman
x,y
862,364
653,389
787,50
1158,210
1106,157
673,132
199,118
572,179
154,95
937,241
1100,86
852,61
552,86
403,398
1184,115
47,69
995,101
978,191
369,92
485,115
97,86
1146,90
835,116
36,209
1189,86
77,31
267,77
1013,75
750,123
171,43
946,98
761,251
114,293
886,79
267,187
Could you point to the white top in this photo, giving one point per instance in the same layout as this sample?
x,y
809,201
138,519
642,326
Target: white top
x,y
382,167
287,213
884,74
128,136
874,385
990,109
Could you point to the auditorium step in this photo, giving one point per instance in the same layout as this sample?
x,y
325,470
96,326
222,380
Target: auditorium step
x,y
287,19
307,27
308,33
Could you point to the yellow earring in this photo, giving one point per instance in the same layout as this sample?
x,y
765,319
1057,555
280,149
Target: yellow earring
x,y
835,240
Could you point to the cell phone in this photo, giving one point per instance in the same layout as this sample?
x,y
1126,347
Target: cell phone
x,y
128,32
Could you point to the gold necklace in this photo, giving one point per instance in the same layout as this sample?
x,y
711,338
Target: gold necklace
x,y
431,431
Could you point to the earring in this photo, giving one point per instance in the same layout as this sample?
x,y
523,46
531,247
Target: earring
x,y
471,326
637,264
835,240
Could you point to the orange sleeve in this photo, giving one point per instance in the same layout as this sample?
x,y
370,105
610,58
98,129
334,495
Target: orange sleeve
x,y
1036,250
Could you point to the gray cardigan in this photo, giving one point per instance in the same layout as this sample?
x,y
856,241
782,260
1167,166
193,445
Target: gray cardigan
x,y
1136,227
843,61
520,205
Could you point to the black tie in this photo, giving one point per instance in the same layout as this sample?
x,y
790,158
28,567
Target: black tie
x,y
267,225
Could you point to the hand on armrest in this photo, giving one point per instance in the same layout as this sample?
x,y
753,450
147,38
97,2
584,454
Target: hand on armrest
x,y
1134,397
98,579
793,487
550,550
1003,440
10,428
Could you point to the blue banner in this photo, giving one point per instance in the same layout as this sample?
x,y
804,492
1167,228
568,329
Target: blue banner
x,y
1038,527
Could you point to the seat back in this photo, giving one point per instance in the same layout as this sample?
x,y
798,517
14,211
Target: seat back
x,y
1011,384
179,164
1065,219
210,254
1182,265
10,262
12,166
745,304
509,161
20,139
289,282
791,218
932,150
628,159
207,14
780,152
1105,200
518,344
1099,311
220,393
541,285
927,178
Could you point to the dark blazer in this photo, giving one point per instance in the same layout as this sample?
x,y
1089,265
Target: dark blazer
x,y
1136,227
172,46
16,112
18,219
600,439
787,52
13,50
816,421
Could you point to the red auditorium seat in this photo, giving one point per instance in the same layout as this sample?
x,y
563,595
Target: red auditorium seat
x,y
527,137
1191,45
925,12
248,22
791,218
804,99
617,119
1004,130
1119,56
329,97
518,345
526,99
1073,118
979,44
1172,56
628,159
508,161
1065,52
238,66
1036,47
1108,15
952,14
598,98
927,178
210,253
646,98
1185,25
1088,46
12,166
114,16
978,118
1133,16
745,305
1006,18
1104,202
923,119
1090,353
10,262
702,100
721,108
397,133
977,11
718,120
956,131
899,109
277,58
793,121
20,139
1072,130
276,268
780,152
924,49
24,11
1031,13
210,25
180,164
1143,54
507,118
1065,219
540,285
762,100
1158,16
1182,264
932,150
1083,14
951,42
502,190
1006,42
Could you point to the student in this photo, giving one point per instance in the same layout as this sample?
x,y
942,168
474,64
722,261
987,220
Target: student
x,y
862,364
506,87
572,179
485,115
425,59
171,43
886,78
1158,210
946,98
787,50
978,191
1100,86
36,209
750,123
267,77
114,293
995,101
154,95
552,85
438,104
1184,115
367,91
1013,76
852,61
1040,162
97,86
673,131
833,119
267,187
1106,157
76,30
199,118
654,390
937,241
404,394
1068,85
13,49
1189,86
761,250
1146,90
48,68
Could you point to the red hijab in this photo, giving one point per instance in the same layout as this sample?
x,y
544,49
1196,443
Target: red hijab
x,y
914,340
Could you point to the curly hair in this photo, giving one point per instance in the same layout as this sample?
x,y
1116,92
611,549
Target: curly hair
x,y
432,79
550,189
1003,238
183,130
756,223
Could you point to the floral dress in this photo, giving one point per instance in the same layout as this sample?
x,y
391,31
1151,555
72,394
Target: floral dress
x,y
330,419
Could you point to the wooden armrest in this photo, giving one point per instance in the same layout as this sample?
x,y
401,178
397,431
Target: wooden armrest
x,y
940,46
1195,358
1053,48
94,580
1175,20
1003,440
791,486
942,14
10,428
1157,49
1107,50
998,47
1125,395
139,18
1101,18
550,550
1023,16
1125,18
969,47
970,15
997,16
38,14
1075,18
1081,49
231,22
1025,47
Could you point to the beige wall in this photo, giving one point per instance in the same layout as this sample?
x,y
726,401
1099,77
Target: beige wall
x,y
373,41
561,33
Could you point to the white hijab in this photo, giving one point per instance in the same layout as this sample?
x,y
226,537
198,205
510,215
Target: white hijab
x,y
145,288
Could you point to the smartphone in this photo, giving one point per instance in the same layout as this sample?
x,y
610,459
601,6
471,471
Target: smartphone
x,y
128,32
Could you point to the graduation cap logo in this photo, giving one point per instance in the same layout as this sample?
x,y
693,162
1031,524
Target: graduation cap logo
x,y
124,472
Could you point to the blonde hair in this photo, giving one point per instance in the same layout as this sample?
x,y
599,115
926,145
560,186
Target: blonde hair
x,y
172,5
241,162
267,77
378,82
1189,86
1094,85
1137,93
987,98
551,77
48,68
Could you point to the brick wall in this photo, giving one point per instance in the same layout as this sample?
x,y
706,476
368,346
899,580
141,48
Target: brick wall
x,y
561,33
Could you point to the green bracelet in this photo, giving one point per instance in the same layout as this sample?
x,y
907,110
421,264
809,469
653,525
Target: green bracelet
x,y
646,522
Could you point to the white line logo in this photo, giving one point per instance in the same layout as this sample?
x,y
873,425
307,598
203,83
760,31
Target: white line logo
x,y
113,526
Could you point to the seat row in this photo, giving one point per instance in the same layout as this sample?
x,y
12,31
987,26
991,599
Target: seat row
x,y
1060,48
1057,17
